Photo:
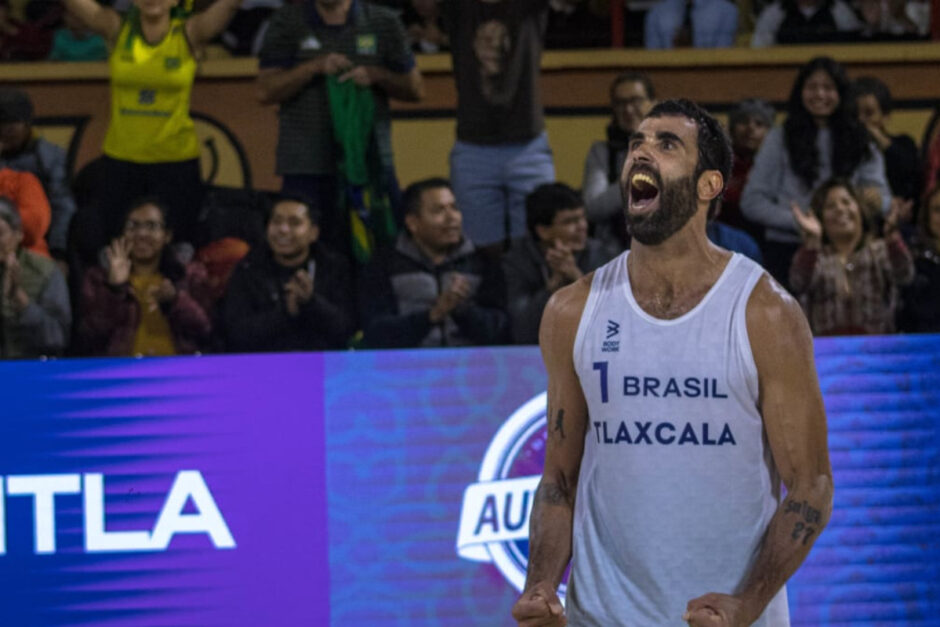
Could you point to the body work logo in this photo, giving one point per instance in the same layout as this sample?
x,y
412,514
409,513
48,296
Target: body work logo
x,y
494,519
610,344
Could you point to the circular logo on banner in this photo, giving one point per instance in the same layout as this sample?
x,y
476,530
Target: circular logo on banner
x,y
494,520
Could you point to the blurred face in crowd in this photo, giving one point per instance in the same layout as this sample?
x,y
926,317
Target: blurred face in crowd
x,y
437,224
291,232
841,215
569,227
869,111
10,239
820,95
13,136
146,234
746,136
630,103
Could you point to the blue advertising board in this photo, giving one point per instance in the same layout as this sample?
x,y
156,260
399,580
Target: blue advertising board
x,y
388,488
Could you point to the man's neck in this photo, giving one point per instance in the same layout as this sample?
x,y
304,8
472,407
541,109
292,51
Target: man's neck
x,y
292,261
333,13
682,263
437,256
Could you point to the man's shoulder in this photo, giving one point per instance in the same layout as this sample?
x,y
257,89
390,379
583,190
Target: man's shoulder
x,y
770,310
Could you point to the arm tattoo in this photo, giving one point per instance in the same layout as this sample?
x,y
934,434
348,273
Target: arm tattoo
x,y
559,423
550,493
810,516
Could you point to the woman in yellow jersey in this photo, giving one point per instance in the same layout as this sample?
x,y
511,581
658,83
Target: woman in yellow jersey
x,y
151,145
144,301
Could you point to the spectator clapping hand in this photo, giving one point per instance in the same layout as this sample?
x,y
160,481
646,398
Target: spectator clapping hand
x,y
563,265
810,228
119,261
453,295
12,289
298,290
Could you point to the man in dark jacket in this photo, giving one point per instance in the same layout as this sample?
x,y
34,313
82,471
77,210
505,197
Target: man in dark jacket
x,y
292,293
556,252
22,150
434,288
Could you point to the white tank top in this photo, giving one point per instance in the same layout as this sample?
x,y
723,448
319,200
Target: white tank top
x,y
676,484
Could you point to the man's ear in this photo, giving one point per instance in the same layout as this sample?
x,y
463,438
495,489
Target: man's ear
x,y
410,220
541,232
314,233
710,184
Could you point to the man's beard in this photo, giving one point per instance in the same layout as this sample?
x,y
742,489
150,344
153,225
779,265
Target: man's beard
x,y
677,205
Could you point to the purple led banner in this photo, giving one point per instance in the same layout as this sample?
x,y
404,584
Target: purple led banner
x,y
213,510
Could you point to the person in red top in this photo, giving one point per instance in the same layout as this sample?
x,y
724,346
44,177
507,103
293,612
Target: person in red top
x,y
26,192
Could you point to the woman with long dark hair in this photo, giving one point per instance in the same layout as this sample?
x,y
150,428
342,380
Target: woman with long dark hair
x,y
144,300
821,138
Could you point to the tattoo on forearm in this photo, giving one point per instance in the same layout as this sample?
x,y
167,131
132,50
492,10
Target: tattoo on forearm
x,y
811,516
560,423
550,493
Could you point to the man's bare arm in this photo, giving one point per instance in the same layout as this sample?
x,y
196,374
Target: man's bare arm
x,y
795,421
553,511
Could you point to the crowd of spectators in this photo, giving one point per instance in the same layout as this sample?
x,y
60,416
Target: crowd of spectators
x,y
32,30
833,205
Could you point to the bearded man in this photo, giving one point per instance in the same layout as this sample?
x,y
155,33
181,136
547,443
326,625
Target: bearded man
x,y
682,396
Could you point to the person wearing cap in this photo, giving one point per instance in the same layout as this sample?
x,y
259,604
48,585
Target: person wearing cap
x,y
151,145
748,123
24,151
35,316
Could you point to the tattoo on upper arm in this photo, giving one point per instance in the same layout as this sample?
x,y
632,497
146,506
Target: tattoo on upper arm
x,y
560,423
811,519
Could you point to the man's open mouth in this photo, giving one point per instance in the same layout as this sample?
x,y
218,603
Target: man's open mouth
x,y
644,191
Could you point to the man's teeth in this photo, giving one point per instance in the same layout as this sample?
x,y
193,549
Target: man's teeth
x,y
643,178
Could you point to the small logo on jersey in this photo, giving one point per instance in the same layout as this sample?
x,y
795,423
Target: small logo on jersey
x,y
611,346
147,96
310,43
366,44
172,63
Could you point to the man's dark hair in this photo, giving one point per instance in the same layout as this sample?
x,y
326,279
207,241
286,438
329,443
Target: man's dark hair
x,y
633,77
850,141
714,145
15,106
411,197
545,201
871,86
313,212
156,201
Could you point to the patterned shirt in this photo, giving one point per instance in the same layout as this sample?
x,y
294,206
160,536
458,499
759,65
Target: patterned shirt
x,y
857,297
372,35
